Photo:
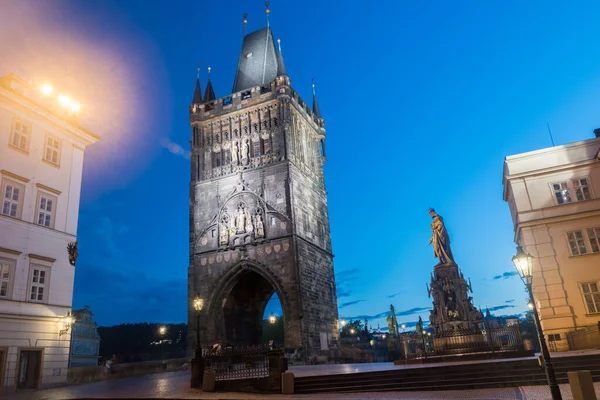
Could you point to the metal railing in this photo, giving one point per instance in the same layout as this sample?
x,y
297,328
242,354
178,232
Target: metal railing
x,y
461,341
232,363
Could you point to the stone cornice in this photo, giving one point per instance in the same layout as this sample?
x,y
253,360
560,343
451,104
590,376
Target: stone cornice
x,y
14,176
41,258
48,188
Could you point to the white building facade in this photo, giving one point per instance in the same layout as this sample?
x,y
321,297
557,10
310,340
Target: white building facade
x,y
554,200
41,165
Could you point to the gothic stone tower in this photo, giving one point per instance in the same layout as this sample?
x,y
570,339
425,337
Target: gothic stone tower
x,y
258,208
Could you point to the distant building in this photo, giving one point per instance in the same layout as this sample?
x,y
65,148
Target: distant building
x,y
41,163
85,340
554,200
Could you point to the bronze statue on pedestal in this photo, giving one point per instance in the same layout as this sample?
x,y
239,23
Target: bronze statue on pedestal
x,y
440,239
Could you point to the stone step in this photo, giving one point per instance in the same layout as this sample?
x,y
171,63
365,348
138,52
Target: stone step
x,y
450,377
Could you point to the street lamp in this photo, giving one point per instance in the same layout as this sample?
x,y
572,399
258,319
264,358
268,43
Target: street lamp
x,y
352,331
524,264
67,322
198,361
272,318
403,327
162,330
343,323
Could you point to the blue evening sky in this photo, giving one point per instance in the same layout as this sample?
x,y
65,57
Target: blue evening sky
x,y
422,102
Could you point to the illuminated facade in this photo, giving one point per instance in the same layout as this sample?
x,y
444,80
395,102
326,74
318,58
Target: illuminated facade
x,y
554,200
41,162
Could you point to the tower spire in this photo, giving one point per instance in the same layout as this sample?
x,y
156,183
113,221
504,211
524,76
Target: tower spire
x,y
316,110
267,11
245,22
209,94
280,65
198,91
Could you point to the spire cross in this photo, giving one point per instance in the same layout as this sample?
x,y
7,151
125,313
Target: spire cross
x,y
208,72
267,11
279,44
313,86
198,74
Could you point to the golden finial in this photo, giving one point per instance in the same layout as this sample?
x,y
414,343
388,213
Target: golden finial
x,y
279,44
267,11
313,85
245,22
198,76
208,72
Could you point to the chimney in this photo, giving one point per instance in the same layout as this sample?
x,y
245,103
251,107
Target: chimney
x,y
597,132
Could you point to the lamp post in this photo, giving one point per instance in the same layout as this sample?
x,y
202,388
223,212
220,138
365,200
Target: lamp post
x,y
198,360
162,330
272,321
524,264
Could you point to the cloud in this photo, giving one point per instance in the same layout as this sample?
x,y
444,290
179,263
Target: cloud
x,y
510,301
350,303
174,148
391,296
108,231
506,275
384,314
502,307
342,282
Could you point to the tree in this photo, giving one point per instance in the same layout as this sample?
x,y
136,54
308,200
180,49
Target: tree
x,y
350,326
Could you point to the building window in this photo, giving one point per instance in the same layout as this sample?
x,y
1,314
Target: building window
x,y
52,151
582,190
20,135
12,199
573,190
46,210
561,192
591,295
554,337
227,157
38,287
577,243
6,276
594,236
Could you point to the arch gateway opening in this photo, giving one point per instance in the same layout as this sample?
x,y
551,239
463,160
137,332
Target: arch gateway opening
x,y
244,311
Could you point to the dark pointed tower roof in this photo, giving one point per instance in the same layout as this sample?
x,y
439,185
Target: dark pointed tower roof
x,y
280,65
316,110
209,93
259,61
197,93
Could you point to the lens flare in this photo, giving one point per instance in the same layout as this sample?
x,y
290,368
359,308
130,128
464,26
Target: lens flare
x,y
46,89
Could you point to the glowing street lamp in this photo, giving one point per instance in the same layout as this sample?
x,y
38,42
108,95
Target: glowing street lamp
x,y
524,265
352,331
272,318
198,360
68,320
46,89
343,323
64,100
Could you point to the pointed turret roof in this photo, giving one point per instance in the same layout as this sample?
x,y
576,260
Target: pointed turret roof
x,y
197,93
280,65
315,107
209,93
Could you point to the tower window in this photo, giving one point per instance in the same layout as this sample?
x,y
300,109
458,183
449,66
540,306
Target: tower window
x,y
246,95
227,157
267,145
227,101
256,148
217,159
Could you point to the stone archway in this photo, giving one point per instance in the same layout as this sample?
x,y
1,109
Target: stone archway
x,y
243,308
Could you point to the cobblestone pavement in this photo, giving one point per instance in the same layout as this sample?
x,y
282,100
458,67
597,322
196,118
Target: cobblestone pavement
x,y
175,385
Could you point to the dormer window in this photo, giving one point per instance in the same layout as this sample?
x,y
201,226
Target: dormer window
x,y
246,95
249,55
